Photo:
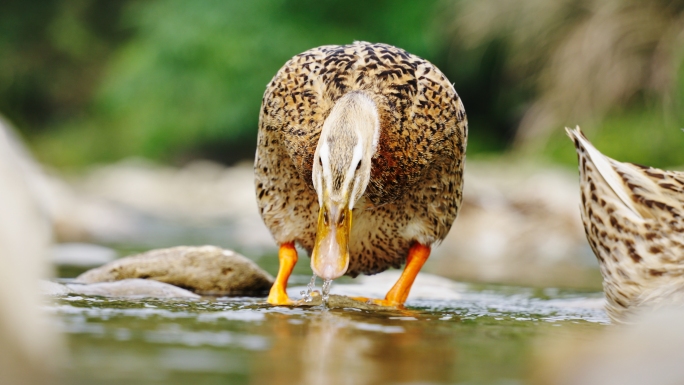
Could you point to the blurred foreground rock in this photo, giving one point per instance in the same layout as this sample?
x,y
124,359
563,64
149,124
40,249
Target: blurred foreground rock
x,y
206,270
29,345
645,352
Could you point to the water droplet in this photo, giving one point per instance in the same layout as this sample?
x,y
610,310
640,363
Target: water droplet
x,y
326,289
307,294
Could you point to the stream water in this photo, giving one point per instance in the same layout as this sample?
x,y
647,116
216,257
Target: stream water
x,y
450,333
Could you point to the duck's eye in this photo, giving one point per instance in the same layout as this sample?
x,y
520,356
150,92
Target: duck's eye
x,y
342,216
358,166
325,217
320,161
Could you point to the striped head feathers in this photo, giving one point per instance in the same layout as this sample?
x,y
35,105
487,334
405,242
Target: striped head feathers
x,y
348,141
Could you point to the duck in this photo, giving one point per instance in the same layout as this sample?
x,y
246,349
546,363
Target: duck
x,y
632,217
359,162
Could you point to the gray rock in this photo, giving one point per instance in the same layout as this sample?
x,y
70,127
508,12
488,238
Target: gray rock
x,y
53,288
135,288
125,288
206,270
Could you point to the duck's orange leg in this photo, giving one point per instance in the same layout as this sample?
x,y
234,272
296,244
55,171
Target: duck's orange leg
x,y
418,254
287,255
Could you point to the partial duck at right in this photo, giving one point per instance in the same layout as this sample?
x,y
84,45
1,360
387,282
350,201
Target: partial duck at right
x,y
634,221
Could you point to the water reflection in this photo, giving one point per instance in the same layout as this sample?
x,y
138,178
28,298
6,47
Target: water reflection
x,y
351,347
331,352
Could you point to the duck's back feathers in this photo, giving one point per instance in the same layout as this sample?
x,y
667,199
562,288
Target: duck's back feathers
x,y
633,218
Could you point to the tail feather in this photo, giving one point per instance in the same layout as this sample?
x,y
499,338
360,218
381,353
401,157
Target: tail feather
x,y
606,168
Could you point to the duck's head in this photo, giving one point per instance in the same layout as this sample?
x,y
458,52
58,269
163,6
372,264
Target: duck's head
x,y
341,173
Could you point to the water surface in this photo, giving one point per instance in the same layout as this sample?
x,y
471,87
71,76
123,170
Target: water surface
x,y
449,334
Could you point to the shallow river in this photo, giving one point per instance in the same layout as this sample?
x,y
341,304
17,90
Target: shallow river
x,y
450,333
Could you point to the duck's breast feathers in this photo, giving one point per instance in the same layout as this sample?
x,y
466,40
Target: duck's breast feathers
x,y
421,115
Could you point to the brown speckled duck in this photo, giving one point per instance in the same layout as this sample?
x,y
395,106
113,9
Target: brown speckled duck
x,y
359,160
633,220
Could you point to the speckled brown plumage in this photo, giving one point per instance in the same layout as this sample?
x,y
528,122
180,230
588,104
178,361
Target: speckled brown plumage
x,y
633,220
415,188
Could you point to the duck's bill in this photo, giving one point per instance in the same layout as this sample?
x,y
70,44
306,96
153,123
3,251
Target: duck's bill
x,y
330,257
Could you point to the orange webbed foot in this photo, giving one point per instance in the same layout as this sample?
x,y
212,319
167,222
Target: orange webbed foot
x,y
279,297
417,255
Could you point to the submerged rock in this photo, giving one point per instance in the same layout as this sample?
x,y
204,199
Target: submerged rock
x,y
336,301
131,288
206,270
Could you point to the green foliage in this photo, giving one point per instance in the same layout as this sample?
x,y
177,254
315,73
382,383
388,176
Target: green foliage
x,y
648,131
493,100
51,56
191,78
647,136
88,81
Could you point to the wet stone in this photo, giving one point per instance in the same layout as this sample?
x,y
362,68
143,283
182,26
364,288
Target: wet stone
x,y
205,270
132,288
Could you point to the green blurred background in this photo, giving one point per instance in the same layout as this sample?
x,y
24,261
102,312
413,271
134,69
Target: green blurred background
x,y
88,81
